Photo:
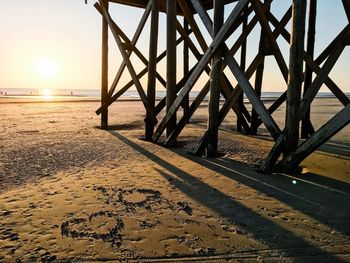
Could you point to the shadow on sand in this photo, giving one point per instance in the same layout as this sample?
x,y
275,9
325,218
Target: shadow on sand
x,y
319,201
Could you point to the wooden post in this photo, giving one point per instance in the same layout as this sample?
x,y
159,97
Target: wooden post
x,y
215,75
346,4
258,82
243,66
152,66
306,126
295,76
104,71
339,121
186,68
171,62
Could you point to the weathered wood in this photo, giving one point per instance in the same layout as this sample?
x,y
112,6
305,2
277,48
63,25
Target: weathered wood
x,y
339,121
268,121
152,66
128,45
186,68
291,135
243,66
171,139
242,113
340,37
267,165
271,39
346,4
130,83
132,72
215,82
104,75
200,67
320,78
259,107
224,84
306,126
171,61
313,64
258,81
133,43
190,19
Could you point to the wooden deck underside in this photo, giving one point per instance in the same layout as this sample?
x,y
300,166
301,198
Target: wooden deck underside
x,y
143,3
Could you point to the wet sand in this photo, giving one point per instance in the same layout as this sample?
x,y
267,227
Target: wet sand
x,y
70,191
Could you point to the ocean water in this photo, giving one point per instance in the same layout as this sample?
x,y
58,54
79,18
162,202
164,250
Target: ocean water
x,y
132,94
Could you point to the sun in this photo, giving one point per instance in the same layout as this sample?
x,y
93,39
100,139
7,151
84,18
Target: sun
x,y
46,68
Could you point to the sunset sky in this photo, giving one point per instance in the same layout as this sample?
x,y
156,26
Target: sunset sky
x,y
56,44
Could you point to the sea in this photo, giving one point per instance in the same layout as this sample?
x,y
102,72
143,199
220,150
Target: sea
x,y
96,94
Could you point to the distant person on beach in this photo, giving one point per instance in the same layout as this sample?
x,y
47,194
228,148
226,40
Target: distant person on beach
x,y
71,93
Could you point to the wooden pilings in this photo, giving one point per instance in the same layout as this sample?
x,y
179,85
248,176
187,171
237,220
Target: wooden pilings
x,y
306,126
152,67
215,84
212,55
171,61
104,75
295,76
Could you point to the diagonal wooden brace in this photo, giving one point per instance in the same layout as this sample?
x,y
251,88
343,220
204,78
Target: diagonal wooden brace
x,y
220,37
132,72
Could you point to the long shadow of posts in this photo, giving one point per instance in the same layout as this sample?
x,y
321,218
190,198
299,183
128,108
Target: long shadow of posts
x,y
266,231
326,203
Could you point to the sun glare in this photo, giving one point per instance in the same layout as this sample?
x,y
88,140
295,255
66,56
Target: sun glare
x,y
47,94
46,68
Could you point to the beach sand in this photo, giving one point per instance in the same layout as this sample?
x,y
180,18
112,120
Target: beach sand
x,y
70,191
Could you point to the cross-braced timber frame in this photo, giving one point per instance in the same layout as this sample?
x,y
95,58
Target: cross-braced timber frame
x,y
302,85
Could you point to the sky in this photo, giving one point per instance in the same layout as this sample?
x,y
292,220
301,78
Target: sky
x,y
56,44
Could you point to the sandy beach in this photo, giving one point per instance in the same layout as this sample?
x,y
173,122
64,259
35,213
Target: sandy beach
x,y
71,192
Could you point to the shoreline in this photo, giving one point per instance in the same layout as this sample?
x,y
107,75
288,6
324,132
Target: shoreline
x,y
63,99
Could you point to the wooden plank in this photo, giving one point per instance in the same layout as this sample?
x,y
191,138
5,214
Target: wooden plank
x,y
208,23
171,61
186,69
215,83
339,121
152,66
291,135
128,44
306,126
196,53
259,107
259,79
243,66
271,159
220,37
190,19
132,72
346,4
104,73
242,113
131,83
133,43
328,81
325,53
171,139
320,78
314,66
271,38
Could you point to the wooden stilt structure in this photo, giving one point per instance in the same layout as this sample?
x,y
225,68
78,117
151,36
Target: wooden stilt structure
x,y
104,75
213,56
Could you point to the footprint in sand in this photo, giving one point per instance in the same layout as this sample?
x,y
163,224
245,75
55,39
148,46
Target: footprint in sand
x,y
102,225
132,198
